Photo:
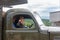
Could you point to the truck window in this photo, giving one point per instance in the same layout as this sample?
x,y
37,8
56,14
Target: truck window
x,y
23,21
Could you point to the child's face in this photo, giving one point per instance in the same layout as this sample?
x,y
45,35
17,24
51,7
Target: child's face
x,y
21,20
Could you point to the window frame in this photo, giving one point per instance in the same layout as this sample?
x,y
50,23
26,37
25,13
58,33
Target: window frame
x,y
30,14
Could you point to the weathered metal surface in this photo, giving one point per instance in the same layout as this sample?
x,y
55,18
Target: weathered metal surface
x,y
44,36
26,36
0,22
22,36
54,36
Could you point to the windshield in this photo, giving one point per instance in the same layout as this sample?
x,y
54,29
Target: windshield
x,y
46,21
42,20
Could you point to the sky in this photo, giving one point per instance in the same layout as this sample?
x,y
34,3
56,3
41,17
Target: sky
x,y
44,7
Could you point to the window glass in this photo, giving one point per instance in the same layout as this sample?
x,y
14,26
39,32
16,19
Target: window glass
x,y
45,20
23,21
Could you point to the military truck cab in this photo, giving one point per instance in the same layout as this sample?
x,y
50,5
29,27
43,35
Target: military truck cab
x,y
33,28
